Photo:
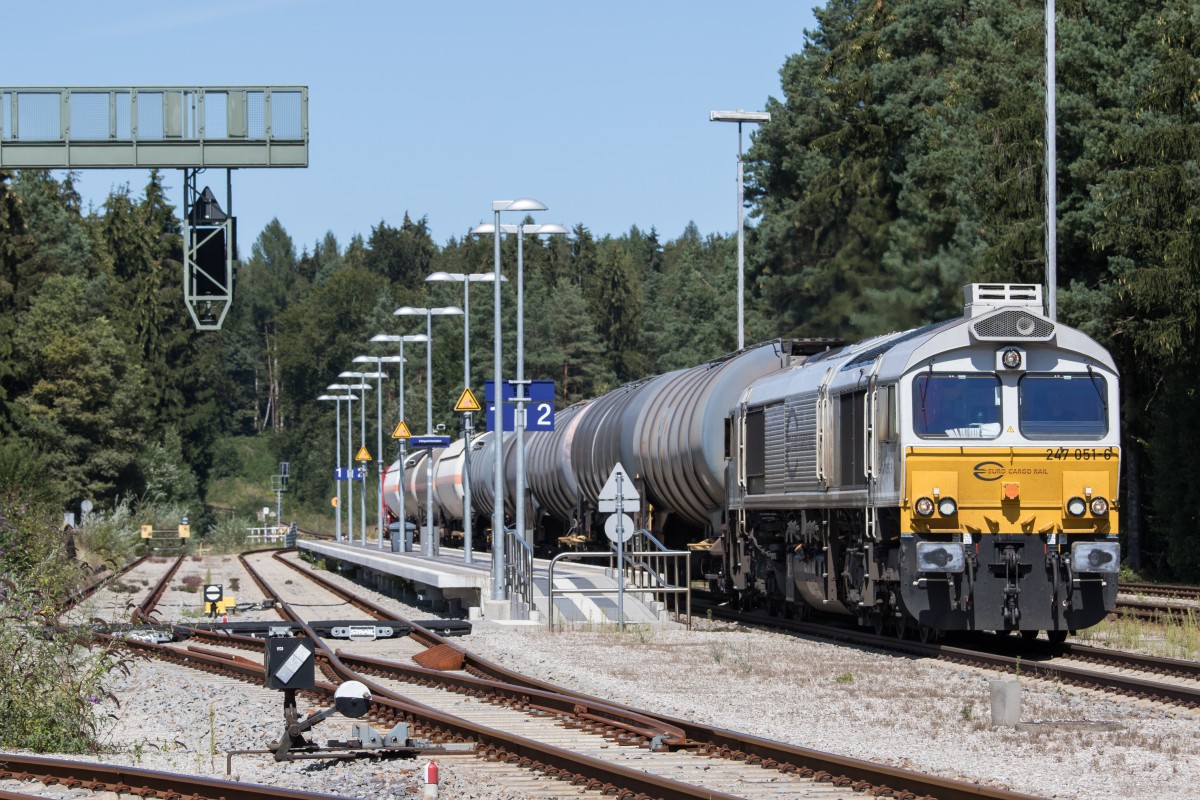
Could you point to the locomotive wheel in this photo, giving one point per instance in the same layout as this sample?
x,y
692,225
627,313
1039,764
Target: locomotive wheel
x,y
1029,636
789,609
927,634
878,624
900,627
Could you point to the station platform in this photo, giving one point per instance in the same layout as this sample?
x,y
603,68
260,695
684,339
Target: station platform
x,y
445,583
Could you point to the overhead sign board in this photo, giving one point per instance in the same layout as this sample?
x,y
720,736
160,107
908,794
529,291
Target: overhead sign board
x,y
429,442
619,486
539,405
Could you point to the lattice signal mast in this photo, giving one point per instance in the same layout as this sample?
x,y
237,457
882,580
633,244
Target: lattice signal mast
x,y
183,127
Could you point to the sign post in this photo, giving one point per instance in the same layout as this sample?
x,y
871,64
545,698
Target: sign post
x,y
467,405
619,495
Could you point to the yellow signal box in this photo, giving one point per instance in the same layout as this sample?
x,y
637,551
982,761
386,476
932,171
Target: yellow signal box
x,y
147,531
185,531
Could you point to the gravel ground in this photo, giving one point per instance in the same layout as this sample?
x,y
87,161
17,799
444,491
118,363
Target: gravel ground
x,y
902,711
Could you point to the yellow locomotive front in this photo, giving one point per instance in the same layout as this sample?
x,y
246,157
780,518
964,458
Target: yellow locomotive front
x,y
1009,516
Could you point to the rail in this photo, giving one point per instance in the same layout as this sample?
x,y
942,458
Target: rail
x,y
648,567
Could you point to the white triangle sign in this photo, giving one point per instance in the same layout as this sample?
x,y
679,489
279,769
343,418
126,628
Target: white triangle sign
x,y
630,499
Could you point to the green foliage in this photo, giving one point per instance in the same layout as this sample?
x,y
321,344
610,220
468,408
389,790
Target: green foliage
x,y
229,535
50,683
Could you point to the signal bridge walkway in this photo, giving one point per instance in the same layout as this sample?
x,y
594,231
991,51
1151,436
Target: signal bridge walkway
x,y
583,593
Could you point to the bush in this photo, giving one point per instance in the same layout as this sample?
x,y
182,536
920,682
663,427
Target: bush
x,y
50,683
228,535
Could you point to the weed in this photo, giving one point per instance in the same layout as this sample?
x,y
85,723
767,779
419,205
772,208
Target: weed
x,y
717,651
845,677
967,712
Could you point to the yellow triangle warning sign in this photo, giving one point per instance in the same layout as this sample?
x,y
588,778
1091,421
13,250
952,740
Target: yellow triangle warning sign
x,y
363,455
467,402
402,431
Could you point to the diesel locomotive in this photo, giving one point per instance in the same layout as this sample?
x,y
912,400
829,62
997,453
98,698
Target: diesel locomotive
x,y
960,476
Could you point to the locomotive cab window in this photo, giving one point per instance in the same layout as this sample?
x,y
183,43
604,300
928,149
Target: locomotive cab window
x,y
957,406
1059,404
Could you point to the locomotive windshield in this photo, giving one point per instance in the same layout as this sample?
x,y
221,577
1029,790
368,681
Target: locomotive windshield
x,y
957,406
1063,405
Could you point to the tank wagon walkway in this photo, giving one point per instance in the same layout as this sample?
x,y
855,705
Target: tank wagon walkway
x,y
445,583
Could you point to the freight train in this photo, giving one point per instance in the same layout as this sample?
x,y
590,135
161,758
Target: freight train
x,y
955,477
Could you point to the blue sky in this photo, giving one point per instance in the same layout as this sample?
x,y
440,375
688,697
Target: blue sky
x,y
598,109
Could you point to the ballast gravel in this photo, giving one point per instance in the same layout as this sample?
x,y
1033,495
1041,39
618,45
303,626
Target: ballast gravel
x,y
897,710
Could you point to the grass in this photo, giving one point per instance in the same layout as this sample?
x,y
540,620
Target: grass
x,y
1168,637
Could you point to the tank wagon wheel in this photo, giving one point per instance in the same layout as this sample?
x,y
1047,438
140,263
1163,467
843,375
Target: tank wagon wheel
x,y
1029,636
789,609
878,623
901,627
927,634
1057,637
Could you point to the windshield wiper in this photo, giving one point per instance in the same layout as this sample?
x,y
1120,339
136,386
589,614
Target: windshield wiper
x,y
1099,391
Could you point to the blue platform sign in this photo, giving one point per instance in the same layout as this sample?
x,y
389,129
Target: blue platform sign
x,y
348,474
428,442
539,405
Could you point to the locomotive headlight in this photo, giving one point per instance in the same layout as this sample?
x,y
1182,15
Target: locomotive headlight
x,y
1011,359
947,507
1099,506
923,507
1076,506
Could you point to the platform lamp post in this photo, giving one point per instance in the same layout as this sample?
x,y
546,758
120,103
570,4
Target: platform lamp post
x,y
499,568
349,397
362,443
739,116
362,435
547,229
466,280
401,444
428,548
337,398
380,376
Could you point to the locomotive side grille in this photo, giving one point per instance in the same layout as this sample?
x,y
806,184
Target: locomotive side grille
x,y
1008,325
791,445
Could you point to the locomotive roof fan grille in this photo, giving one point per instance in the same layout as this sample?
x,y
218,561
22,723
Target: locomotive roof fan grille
x,y
1022,315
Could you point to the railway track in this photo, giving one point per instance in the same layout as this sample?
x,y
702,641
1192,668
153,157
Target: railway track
x,y
656,743
1163,680
107,780
1162,590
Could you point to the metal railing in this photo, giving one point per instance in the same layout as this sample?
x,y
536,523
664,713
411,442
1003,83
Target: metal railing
x,y
268,534
648,567
519,569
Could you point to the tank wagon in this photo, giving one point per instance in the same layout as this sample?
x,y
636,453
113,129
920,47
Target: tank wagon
x,y
959,476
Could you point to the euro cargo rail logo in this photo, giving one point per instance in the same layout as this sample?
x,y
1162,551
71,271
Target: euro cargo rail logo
x,y
994,471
